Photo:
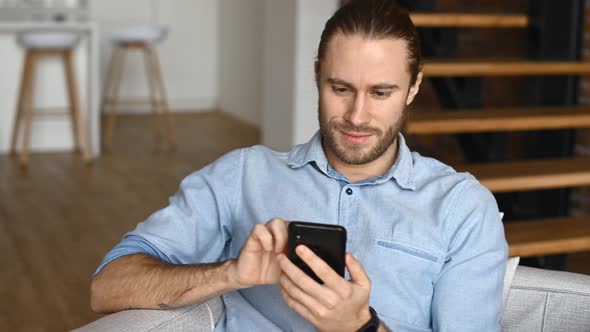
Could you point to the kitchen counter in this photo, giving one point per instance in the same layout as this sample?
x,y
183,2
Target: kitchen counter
x,y
50,132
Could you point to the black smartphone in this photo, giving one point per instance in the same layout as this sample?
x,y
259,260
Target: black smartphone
x,y
325,240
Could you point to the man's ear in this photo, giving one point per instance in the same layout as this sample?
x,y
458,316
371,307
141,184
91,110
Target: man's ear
x,y
414,89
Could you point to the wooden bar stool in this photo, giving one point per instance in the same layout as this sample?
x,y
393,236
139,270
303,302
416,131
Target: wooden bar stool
x,y
48,44
142,39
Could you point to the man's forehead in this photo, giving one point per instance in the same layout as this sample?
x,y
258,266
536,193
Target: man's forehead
x,y
354,57
343,40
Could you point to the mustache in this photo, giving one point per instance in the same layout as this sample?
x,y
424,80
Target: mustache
x,y
356,129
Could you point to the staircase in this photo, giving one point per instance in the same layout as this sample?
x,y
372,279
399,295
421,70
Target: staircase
x,y
526,238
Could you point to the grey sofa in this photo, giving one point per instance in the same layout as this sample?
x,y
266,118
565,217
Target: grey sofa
x,y
534,300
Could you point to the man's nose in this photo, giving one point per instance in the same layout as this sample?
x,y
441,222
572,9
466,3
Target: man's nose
x,y
358,113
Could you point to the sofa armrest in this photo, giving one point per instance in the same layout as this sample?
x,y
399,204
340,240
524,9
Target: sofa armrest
x,y
538,300
544,300
196,317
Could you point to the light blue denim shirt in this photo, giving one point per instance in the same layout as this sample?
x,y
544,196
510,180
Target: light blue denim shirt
x,y
430,238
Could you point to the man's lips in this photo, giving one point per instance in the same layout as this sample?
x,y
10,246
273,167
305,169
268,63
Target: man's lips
x,y
355,138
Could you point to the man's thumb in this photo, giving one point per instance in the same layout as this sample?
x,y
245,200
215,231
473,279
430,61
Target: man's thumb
x,y
357,273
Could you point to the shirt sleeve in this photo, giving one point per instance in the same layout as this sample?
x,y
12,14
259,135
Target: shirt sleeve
x,y
195,227
468,291
131,244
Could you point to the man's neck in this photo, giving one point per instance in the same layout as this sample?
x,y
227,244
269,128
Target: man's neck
x,y
357,173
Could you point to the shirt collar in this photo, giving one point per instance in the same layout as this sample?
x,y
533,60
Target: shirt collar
x,y
312,152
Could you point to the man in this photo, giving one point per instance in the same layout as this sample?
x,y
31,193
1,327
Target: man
x,y
426,244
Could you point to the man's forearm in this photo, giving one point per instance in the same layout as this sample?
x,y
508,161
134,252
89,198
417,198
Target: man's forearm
x,y
140,281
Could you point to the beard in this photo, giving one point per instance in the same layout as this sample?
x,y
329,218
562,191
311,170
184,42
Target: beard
x,y
356,154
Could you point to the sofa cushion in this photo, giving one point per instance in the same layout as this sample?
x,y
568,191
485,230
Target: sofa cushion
x,y
511,266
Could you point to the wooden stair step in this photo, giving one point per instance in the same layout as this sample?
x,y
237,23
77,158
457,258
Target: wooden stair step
x,y
467,20
498,119
464,68
532,174
548,237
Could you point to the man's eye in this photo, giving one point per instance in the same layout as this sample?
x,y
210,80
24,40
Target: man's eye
x,y
340,90
381,94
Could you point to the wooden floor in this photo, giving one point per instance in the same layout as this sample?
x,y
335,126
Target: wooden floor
x,y
59,218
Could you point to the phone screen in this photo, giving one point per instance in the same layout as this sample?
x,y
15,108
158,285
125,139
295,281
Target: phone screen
x,y
325,240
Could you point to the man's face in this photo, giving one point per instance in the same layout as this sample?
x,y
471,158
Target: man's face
x,y
364,86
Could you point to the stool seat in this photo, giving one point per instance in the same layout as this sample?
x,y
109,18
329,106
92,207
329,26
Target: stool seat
x,y
49,40
141,34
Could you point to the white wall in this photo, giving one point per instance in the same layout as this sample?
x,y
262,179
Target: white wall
x,y
189,55
250,58
311,18
292,33
278,74
240,58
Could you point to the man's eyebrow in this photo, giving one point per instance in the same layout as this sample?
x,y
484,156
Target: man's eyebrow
x,y
339,82
384,86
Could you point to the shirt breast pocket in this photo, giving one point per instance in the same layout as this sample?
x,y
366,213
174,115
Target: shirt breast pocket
x,y
407,259
416,252
402,276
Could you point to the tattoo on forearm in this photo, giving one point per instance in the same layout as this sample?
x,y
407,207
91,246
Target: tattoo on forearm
x,y
164,306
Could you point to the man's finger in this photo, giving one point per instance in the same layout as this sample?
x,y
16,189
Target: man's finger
x,y
324,271
302,280
358,275
259,239
308,301
297,306
278,229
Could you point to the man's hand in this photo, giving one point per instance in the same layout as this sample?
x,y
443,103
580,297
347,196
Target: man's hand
x,y
338,304
257,263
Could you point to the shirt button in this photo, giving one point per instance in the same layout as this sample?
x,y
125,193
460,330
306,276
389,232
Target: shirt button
x,y
349,191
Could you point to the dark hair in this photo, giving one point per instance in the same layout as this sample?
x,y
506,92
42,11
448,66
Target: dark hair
x,y
375,19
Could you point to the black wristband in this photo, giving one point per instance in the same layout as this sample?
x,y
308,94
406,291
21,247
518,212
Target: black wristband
x,y
373,324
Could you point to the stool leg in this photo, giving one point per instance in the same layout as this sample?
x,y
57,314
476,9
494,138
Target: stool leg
x,y
163,105
81,141
108,81
119,58
73,97
28,107
154,108
22,94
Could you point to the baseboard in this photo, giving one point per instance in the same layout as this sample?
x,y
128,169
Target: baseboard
x,y
177,106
